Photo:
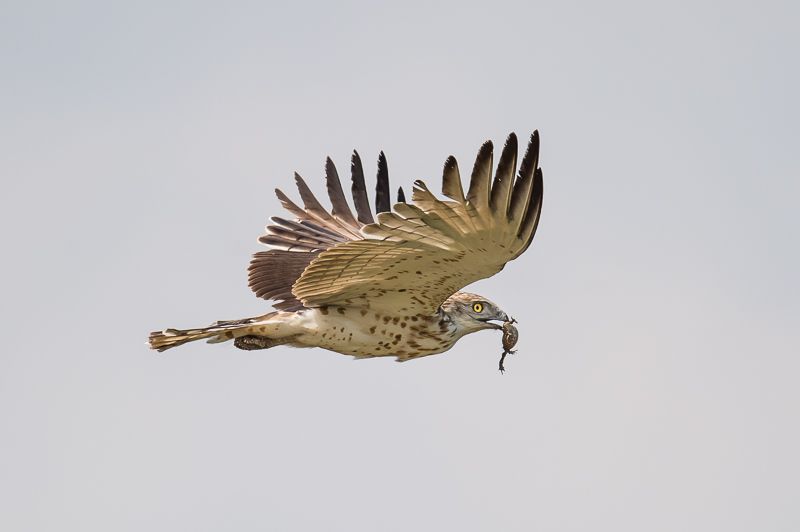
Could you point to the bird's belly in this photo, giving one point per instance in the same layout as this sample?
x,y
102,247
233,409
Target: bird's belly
x,y
358,334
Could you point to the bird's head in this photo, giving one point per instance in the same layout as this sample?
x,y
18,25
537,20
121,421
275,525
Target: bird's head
x,y
472,312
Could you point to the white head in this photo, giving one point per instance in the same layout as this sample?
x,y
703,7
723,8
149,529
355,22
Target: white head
x,y
472,313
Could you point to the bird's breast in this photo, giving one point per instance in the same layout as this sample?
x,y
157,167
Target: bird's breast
x,y
366,333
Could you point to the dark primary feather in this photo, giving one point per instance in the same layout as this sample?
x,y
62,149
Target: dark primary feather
x,y
359,190
310,202
340,209
289,205
504,177
481,180
522,186
382,201
401,196
530,161
451,181
534,210
316,212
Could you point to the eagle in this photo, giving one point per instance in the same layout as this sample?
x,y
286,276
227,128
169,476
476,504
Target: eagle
x,y
387,284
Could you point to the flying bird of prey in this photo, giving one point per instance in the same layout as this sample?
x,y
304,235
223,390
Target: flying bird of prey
x,y
387,285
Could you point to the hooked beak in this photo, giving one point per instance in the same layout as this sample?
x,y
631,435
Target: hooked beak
x,y
502,319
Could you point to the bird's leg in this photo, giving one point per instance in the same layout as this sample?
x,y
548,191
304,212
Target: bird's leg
x,y
252,342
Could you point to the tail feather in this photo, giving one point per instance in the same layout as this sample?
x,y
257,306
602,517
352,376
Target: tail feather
x,y
220,331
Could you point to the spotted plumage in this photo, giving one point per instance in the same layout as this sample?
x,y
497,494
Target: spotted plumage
x,y
386,284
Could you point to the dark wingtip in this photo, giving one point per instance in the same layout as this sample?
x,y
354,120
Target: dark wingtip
x,y
512,139
504,176
451,180
401,197
531,159
533,144
480,181
359,190
484,155
382,199
336,194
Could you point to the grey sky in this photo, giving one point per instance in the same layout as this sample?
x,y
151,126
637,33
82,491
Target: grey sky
x,y
655,386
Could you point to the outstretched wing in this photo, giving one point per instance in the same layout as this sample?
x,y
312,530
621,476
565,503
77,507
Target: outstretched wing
x,y
295,243
419,254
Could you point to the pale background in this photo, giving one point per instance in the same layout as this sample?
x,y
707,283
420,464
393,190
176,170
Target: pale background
x,y
656,385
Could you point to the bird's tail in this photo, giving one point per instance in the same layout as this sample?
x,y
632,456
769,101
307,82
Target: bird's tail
x,y
220,331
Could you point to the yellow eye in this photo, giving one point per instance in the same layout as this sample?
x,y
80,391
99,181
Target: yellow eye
x,y
477,307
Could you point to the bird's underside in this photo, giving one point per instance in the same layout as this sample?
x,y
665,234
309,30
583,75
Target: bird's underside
x,y
341,329
386,284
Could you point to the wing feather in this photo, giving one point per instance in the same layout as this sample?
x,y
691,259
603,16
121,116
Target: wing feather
x,y
534,212
298,242
290,206
294,236
504,178
272,273
310,202
382,200
278,242
309,229
430,218
316,211
359,190
393,225
451,181
451,187
524,184
415,257
341,210
411,256
480,185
